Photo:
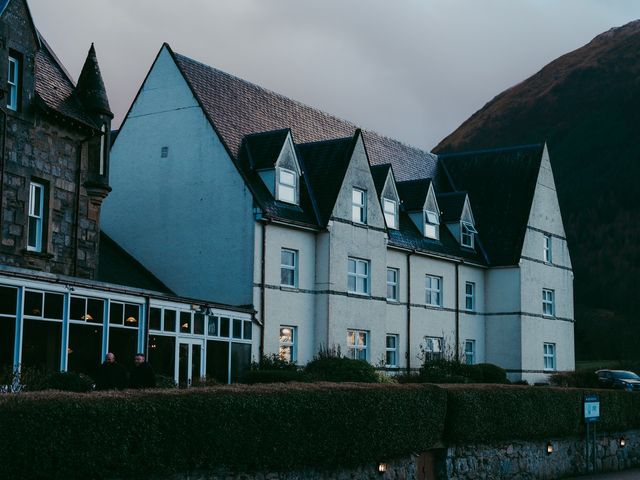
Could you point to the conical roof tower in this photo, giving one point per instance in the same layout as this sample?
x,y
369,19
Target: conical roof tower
x,y
90,88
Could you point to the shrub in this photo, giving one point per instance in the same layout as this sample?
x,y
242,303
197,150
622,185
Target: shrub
x,y
273,376
579,378
487,373
273,362
453,371
163,381
69,382
135,433
341,369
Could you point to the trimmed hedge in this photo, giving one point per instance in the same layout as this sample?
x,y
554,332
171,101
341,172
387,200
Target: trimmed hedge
x,y
273,376
486,413
107,434
341,369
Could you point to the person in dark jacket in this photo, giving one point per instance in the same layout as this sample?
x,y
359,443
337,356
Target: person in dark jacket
x,y
142,375
111,375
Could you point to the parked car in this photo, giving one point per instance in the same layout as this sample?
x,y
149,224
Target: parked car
x,y
621,379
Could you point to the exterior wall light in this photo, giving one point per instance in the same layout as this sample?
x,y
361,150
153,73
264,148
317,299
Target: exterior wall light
x,y
382,468
622,442
549,448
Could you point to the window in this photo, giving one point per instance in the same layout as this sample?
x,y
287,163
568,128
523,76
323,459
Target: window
x,y
549,356
470,352
359,206
358,344
548,301
470,296
287,186
392,284
288,342
391,357
390,212
433,348
289,268
431,223
434,291
358,276
13,83
467,232
546,248
36,217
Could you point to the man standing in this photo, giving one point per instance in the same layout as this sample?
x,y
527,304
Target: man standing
x,y
111,374
142,375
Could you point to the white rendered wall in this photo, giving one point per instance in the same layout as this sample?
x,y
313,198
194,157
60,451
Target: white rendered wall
x,y
187,217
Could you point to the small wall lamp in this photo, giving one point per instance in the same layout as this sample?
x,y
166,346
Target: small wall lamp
x,y
382,468
622,442
549,448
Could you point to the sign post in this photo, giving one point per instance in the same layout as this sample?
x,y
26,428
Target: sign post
x,y
591,409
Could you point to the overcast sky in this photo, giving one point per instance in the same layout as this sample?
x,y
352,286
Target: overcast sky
x,y
410,69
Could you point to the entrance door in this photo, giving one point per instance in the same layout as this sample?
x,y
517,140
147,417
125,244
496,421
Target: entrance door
x,y
190,361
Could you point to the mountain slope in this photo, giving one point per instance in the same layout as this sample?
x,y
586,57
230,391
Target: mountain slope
x,y
586,106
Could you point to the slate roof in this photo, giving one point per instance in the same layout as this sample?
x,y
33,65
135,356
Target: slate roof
x,y
56,90
264,148
501,184
451,205
90,88
413,193
238,108
379,174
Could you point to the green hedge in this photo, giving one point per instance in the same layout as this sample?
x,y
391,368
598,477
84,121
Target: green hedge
x,y
486,413
63,435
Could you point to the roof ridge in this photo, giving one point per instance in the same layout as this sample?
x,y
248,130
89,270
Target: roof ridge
x,y
530,146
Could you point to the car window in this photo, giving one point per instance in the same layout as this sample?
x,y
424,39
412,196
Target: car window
x,y
626,375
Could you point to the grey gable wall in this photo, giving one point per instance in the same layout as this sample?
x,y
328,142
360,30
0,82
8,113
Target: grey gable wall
x,y
187,217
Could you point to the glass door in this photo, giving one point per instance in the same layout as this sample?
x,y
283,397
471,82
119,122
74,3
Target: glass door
x,y
190,360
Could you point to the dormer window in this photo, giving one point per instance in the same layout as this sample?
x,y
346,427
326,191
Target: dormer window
x,y
390,208
467,232
287,186
359,206
431,224
13,83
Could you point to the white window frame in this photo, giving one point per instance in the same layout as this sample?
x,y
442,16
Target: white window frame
x,y
391,352
103,140
13,84
548,302
431,225
390,209
36,215
470,296
467,234
393,284
290,268
285,186
361,284
547,249
433,348
432,290
355,349
470,352
288,341
549,356
359,206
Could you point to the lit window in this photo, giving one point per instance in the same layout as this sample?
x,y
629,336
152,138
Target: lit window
x,y
390,213
287,186
288,340
359,206
13,81
288,268
392,284
546,248
549,356
548,302
470,352
391,357
470,296
358,276
433,348
467,233
36,217
431,224
434,291
358,344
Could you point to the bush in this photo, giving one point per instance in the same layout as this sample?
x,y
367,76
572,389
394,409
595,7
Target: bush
x,y
273,362
273,376
140,433
452,371
163,381
69,382
579,378
488,373
341,369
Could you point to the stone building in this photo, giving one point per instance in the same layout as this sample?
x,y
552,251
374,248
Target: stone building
x,y
339,236
58,309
